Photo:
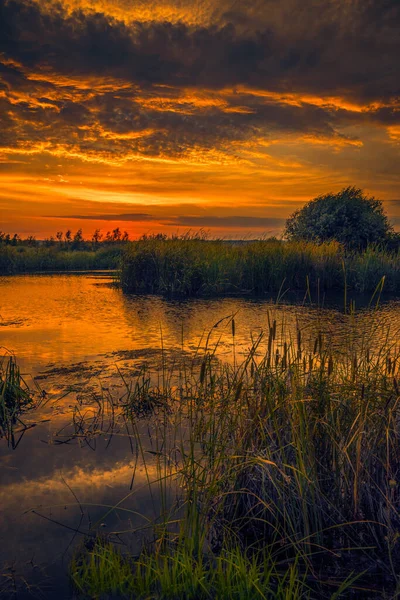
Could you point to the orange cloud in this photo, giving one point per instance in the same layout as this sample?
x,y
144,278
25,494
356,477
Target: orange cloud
x,y
223,106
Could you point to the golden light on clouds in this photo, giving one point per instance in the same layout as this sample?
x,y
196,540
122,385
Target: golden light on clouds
x,y
207,108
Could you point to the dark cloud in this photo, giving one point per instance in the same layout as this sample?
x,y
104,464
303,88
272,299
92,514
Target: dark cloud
x,y
231,222
92,86
197,222
106,217
122,123
339,45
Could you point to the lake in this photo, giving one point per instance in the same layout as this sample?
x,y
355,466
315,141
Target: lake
x,y
75,335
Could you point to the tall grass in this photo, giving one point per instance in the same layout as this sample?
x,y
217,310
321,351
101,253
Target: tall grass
x,y
191,267
166,575
21,259
285,469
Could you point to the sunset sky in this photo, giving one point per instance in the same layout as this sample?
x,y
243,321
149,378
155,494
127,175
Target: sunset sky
x,y
169,115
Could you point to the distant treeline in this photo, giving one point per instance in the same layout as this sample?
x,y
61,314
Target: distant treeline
x,y
67,240
64,252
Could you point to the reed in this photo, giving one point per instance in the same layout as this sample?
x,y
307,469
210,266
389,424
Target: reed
x,y
193,267
21,259
284,467
15,397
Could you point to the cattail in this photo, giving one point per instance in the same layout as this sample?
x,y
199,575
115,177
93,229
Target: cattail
x,y
238,390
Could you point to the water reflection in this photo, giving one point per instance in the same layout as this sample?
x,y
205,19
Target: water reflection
x,y
70,332
53,321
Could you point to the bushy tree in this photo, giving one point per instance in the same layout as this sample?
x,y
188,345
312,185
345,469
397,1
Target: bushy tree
x,y
349,217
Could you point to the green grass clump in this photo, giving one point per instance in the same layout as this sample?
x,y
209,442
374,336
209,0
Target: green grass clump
x,y
179,575
193,267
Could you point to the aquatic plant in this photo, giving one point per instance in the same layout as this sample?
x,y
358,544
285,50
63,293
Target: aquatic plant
x,y
283,466
193,267
15,397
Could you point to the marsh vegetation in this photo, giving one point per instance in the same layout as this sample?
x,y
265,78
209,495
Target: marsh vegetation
x,y
283,472
195,267
192,265
259,457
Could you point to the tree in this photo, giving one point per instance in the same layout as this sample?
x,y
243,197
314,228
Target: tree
x,y
96,238
116,235
15,240
349,217
78,240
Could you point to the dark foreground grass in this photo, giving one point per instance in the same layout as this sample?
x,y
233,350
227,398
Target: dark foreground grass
x,y
193,267
22,259
285,471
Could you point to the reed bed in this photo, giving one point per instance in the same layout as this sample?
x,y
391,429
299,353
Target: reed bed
x,y
21,259
193,267
284,468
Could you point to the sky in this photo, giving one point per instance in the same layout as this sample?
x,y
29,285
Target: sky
x,y
176,115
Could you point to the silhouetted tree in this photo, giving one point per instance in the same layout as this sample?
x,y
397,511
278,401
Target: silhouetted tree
x,y
68,236
350,217
15,240
96,238
116,235
59,236
78,240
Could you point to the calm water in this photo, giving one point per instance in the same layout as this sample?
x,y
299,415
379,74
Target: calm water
x,y
70,333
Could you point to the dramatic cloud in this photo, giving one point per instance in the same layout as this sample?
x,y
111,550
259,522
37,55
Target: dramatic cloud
x,y
280,47
239,95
